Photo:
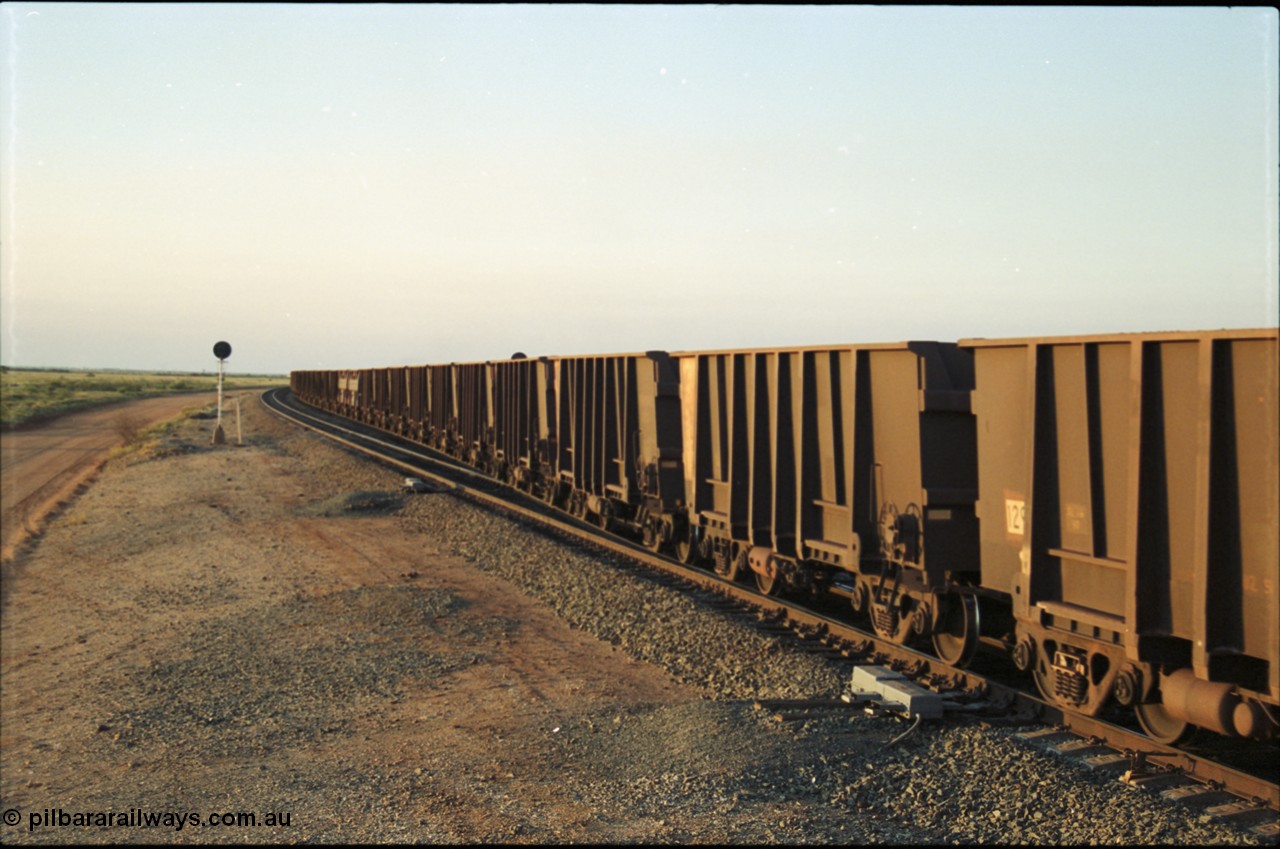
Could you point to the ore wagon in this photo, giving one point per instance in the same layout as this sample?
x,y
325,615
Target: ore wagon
x,y
853,464
1128,507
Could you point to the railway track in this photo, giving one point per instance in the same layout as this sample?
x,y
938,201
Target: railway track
x,y
1249,797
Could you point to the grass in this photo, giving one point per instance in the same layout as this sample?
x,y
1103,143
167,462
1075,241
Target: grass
x,y
29,395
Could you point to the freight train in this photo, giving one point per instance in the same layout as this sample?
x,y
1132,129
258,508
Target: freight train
x,y
1101,510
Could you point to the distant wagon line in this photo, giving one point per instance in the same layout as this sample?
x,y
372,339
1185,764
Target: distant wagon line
x,y
1100,509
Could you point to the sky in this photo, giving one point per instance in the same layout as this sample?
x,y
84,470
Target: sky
x,y
341,186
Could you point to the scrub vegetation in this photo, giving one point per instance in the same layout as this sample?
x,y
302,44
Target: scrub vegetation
x,y
30,395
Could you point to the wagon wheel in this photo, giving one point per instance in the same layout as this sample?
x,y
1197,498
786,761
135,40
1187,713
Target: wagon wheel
x,y
955,633
578,505
768,584
549,492
653,537
1160,726
860,599
1044,680
687,548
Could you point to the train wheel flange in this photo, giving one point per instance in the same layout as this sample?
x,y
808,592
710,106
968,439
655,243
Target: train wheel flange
x,y
605,517
860,598
654,539
687,549
1160,725
769,581
922,620
955,631
1043,676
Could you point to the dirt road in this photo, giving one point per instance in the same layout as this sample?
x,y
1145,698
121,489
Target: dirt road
x,y
42,466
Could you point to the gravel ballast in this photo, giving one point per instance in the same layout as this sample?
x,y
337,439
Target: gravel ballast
x,y
951,781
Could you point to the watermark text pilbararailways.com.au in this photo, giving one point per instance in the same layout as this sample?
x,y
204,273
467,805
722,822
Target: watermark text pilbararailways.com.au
x,y
43,818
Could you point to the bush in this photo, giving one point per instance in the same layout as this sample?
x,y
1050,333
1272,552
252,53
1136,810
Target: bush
x,y
128,427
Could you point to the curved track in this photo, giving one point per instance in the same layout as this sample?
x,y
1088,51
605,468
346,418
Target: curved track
x,y
1147,762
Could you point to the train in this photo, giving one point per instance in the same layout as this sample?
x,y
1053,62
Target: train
x,y
1100,511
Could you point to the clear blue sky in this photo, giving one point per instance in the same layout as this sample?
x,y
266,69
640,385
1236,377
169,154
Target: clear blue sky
x,y
357,185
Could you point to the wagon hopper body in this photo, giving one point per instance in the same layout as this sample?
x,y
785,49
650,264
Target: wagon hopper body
x,y
617,456
523,423
1128,507
852,463
441,409
318,388
471,425
413,399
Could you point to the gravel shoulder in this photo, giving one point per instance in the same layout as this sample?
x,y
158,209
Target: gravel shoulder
x,y
274,629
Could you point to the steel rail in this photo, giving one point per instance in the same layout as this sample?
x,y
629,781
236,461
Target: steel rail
x,y
851,641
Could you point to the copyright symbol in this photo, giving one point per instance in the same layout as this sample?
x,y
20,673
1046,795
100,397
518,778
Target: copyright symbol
x,y
12,816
